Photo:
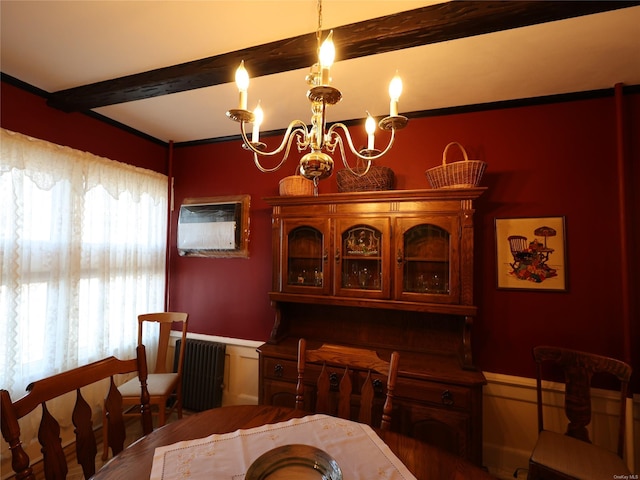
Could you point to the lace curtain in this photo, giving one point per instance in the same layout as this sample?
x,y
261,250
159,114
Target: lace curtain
x,y
82,253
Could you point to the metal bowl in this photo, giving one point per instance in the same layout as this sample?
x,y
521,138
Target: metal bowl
x,y
294,462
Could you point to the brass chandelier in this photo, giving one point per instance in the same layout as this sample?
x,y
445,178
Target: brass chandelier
x,y
317,164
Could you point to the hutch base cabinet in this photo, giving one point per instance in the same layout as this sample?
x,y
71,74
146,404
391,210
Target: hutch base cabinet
x,y
390,270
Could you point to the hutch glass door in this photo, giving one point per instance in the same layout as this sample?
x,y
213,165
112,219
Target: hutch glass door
x,y
362,259
427,258
305,258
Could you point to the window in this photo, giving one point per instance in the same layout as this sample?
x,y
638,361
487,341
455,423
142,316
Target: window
x,y
82,253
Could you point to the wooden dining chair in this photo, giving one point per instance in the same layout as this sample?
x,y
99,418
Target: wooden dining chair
x,y
165,387
43,391
350,362
571,454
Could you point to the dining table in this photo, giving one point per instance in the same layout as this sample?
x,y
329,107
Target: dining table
x,y
242,423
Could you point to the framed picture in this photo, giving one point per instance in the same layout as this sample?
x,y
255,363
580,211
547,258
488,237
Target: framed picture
x,y
216,227
531,253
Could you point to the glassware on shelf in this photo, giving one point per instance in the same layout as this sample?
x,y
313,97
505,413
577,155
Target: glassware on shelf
x,y
364,277
435,283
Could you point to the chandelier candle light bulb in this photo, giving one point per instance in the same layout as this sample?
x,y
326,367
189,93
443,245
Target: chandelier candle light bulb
x,y
242,81
259,116
370,127
395,90
327,56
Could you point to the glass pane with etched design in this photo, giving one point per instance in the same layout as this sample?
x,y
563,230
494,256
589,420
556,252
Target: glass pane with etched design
x,y
362,258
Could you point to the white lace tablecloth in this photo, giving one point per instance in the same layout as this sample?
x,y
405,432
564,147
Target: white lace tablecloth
x,y
359,451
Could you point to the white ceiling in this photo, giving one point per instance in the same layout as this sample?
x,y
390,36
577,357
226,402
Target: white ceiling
x,y
55,45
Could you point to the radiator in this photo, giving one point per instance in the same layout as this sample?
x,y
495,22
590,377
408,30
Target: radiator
x,y
202,374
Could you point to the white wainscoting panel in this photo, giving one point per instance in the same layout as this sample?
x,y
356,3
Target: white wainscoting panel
x,y
510,421
240,367
241,375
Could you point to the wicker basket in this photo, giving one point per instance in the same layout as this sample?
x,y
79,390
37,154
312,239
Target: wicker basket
x,y
377,178
464,174
295,185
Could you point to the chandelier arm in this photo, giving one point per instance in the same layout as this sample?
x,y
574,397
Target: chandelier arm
x,y
290,134
268,170
294,134
335,126
301,128
340,143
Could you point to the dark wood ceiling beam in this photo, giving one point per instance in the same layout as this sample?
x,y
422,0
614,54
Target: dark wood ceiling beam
x,y
432,24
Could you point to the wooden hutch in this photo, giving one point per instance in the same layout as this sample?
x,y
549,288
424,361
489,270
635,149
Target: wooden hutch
x,y
387,270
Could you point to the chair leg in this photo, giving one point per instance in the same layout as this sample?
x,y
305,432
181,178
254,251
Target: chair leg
x,y
162,414
105,435
517,471
179,404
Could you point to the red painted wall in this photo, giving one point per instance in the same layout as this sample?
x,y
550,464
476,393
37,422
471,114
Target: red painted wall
x,y
225,297
547,160
29,114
